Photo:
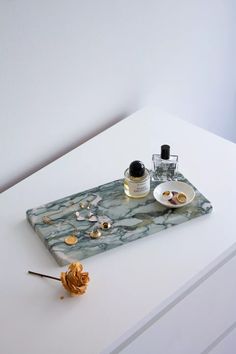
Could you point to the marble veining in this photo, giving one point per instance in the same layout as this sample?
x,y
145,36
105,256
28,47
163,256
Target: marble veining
x,y
131,219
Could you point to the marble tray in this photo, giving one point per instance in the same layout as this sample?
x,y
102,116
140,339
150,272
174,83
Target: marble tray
x,y
131,219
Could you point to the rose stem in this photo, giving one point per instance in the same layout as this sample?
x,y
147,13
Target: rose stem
x,y
43,275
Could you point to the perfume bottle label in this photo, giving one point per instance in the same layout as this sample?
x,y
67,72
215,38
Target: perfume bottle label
x,y
138,189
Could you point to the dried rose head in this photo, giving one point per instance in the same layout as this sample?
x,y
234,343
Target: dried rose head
x,y
74,280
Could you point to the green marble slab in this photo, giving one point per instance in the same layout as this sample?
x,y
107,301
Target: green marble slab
x,y
131,219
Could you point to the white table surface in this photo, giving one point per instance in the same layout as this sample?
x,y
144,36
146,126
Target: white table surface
x,y
131,284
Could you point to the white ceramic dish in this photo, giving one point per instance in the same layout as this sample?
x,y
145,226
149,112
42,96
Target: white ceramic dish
x,y
174,186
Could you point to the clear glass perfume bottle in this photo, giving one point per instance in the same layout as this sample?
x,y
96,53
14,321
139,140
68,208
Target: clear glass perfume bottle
x,y
165,166
137,180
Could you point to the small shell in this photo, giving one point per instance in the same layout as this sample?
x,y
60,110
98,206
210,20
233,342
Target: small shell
x,y
93,218
78,217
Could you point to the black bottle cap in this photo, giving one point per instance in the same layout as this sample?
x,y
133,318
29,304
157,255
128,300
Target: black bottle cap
x,y
165,152
136,169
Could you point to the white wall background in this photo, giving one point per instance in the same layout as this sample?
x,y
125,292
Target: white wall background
x,y
69,69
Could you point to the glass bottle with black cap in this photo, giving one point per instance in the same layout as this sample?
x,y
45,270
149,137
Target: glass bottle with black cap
x,y
165,166
137,180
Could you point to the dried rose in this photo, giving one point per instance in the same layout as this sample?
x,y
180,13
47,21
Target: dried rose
x,y
74,280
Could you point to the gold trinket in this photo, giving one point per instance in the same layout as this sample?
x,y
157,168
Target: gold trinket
x,y
47,220
71,240
167,195
95,233
181,198
105,225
